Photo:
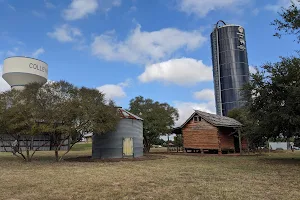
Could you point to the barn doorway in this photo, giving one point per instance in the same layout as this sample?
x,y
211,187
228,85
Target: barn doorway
x,y
128,147
236,143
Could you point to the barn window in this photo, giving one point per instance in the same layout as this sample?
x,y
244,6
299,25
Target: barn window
x,y
197,119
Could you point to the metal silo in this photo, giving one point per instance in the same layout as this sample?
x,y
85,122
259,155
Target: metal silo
x,y
230,66
125,141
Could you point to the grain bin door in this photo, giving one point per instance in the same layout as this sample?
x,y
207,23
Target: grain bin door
x,y
127,147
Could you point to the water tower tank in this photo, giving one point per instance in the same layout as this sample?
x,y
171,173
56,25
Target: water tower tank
x,y
125,141
19,71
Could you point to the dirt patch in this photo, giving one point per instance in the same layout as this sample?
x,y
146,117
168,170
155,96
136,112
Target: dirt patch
x,y
90,159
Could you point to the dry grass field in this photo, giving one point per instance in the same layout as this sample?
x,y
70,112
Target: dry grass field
x,y
274,176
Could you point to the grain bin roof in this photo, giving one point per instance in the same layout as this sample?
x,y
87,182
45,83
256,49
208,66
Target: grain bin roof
x,y
215,120
127,115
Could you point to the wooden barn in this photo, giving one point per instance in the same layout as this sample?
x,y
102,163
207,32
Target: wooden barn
x,y
209,132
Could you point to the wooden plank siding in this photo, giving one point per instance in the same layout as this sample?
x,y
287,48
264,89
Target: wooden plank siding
x,y
227,142
203,135
200,135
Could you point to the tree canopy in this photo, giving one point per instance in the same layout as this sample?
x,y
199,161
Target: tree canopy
x,y
58,109
272,95
273,103
275,98
289,22
159,118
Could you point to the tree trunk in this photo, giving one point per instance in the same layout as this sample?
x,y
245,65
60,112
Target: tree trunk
x,y
56,155
27,150
146,145
28,159
69,149
168,148
56,146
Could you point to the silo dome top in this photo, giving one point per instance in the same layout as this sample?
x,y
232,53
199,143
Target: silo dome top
x,y
222,24
127,115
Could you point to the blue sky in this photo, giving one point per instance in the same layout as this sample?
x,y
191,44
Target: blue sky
x,y
125,48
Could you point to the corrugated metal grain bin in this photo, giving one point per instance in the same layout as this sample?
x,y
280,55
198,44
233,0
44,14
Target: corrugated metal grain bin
x,y
125,141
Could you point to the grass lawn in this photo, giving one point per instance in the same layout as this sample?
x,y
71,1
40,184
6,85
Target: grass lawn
x,y
274,176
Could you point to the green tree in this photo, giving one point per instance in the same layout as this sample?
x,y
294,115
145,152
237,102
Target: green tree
x,y
289,22
249,130
19,119
58,109
159,118
72,111
159,141
178,142
274,100
297,142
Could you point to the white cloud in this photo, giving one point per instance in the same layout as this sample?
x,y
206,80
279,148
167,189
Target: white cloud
x,y
116,2
183,71
107,5
10,53
132,9
12,7
279,4
113,91
186,109
65,33
202,7
49,5
38,52
255,11
3,84
144,47
79,9
252,69
38,14
205,94
126,83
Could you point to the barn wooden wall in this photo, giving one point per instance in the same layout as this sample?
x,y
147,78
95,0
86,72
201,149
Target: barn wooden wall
x,y
227,140
200,135
203,135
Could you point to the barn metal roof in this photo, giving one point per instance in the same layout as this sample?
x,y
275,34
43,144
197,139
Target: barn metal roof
x,y
128,115
215,120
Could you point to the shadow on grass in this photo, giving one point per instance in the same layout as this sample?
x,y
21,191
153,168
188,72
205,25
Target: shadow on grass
x,y
89,159
284,158
282,161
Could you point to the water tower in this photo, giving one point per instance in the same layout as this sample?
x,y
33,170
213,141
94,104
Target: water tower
x,y
19,71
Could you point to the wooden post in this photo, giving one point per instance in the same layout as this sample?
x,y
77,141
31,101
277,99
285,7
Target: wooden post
x,y
240,140
219,143
182,141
